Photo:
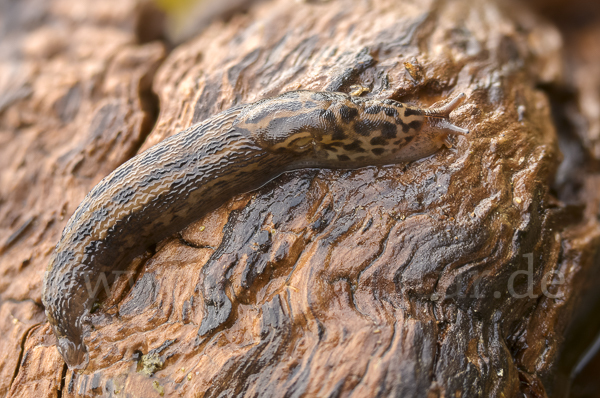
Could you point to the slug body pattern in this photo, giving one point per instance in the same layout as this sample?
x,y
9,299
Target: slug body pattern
x,y
160,191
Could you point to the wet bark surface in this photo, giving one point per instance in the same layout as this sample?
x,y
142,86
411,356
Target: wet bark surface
x,y
467,273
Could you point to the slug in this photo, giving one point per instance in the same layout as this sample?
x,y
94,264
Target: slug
x,y
160,191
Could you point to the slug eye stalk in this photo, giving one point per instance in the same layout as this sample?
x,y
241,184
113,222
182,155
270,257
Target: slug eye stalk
x,y
438,117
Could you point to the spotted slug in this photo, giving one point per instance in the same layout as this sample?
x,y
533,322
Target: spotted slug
x,y
160,191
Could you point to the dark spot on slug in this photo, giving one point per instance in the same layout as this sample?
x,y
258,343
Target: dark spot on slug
x,y
373,109
405,128
408,139
347,113
391,112
412,112
379,140
388,130
338,134
328,116
363,128
354,147
415,125
330,147
343,158
378,151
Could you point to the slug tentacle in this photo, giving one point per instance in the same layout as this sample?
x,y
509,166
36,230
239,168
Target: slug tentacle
x,y
445,110
160,191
